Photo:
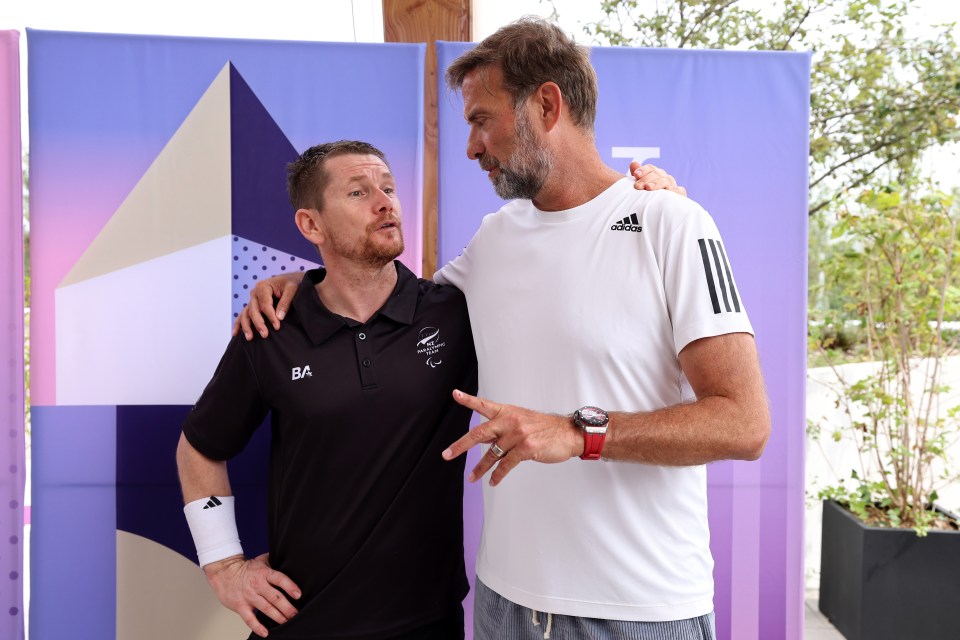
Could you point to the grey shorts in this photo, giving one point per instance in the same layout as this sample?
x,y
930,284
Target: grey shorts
x,y
496,618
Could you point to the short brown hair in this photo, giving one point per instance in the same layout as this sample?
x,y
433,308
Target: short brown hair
x,y
306,179
531,51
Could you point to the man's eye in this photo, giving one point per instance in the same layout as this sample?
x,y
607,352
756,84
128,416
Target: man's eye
x,y
390,190
356,194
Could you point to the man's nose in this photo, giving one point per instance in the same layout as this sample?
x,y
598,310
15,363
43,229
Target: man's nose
x,y
383,201
475,148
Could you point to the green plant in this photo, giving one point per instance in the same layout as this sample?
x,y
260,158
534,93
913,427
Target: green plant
x,y
896,267
880,92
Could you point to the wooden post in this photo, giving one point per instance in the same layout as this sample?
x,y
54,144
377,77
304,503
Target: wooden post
x,y
428,21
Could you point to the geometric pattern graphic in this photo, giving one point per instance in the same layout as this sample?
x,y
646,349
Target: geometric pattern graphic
x,y
92,511
153,163
117,343
175,585
143,146
147,485
259,154
181,201
222,171
253,261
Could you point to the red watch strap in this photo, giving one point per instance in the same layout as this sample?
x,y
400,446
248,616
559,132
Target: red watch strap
x,y
592,445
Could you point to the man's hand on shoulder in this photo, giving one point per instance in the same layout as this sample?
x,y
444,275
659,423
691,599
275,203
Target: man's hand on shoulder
x,y
251,318
652,178
243,585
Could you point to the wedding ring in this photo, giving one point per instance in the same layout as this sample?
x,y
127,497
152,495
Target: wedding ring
x,y
497,451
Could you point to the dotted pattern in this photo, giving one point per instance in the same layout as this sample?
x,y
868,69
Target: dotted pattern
x,y
253,262
12,455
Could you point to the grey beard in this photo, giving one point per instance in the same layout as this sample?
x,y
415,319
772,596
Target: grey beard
x,y
524,174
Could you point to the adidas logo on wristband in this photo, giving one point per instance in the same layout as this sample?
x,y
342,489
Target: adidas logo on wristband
x,y
214,528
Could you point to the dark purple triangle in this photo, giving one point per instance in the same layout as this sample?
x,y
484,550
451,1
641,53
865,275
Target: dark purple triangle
x,y
259,153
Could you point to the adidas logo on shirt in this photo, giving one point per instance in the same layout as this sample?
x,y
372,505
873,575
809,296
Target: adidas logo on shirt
x,y
212,502
630,223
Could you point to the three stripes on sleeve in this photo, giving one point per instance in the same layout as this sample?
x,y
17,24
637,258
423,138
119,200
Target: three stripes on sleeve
x,y
717,271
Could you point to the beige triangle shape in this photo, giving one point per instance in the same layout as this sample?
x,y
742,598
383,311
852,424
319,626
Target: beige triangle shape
x,y
181,201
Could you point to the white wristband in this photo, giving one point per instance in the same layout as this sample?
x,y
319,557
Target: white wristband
x,y
214,528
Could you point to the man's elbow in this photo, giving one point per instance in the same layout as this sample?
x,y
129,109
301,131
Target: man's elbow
x,y
754,445
187,456
754,436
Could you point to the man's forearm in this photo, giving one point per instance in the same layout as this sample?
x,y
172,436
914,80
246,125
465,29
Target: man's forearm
x,y
209,506
710,429
200,476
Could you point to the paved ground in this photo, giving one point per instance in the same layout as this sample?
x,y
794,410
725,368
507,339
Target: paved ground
x,y
816,626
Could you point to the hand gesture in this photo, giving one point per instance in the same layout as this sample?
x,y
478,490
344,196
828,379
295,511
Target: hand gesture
x,y
243,585
516,434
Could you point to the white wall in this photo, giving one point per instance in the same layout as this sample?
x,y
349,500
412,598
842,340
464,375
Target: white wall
x,y
828,461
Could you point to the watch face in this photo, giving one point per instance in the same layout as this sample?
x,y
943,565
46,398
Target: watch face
x,y
592,416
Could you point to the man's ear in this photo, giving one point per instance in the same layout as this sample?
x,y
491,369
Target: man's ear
x,y
548,102
308,221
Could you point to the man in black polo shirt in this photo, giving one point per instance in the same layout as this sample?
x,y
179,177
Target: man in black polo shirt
x,y
365,527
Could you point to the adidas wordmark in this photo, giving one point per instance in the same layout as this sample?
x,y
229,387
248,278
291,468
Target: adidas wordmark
x,y
630,223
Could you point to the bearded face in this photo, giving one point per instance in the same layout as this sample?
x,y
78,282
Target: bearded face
x,y
378,243
360,221
524,173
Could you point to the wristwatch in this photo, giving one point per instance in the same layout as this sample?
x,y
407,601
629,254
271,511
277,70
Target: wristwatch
x,y
593,422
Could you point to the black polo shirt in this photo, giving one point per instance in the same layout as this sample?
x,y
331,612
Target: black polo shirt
x,y
365,516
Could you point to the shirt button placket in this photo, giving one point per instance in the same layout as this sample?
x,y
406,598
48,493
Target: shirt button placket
x,y
365,359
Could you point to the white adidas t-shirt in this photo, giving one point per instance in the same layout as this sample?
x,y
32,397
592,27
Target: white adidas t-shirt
x,y
592,306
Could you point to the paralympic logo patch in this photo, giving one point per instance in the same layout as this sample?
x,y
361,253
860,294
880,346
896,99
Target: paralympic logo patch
x,y
429,344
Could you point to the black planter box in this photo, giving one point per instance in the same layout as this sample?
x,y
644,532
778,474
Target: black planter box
x,y
888,584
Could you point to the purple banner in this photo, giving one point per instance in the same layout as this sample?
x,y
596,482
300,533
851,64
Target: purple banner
x,y
158,165
116,118
732,127
11,342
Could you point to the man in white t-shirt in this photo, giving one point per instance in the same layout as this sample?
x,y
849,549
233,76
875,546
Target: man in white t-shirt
x,y
609,327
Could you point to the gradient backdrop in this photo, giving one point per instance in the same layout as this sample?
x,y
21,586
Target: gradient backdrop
x,y
156,197
733,128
